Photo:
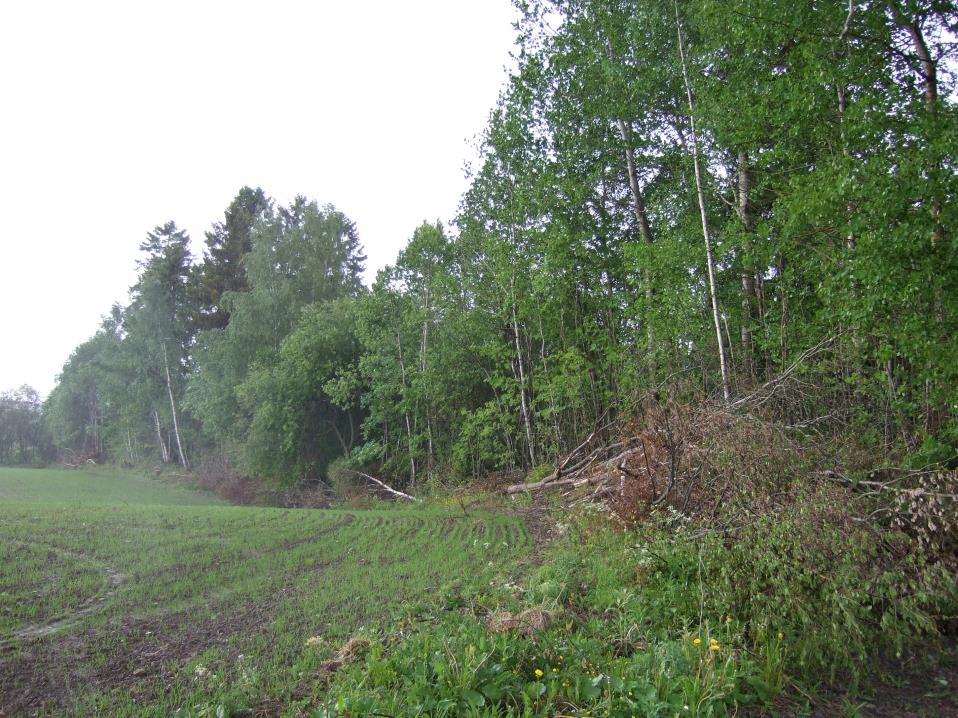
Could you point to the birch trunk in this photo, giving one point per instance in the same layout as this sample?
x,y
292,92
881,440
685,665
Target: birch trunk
x,y
744,208
934,416
164,451
402,370
422,365
176,425
710,260
645,232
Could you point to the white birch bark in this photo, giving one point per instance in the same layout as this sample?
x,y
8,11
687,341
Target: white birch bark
x,y
645,232
176,425
164,451
709,258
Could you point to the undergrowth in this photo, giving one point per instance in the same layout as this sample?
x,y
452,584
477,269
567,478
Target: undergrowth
x,y
665,621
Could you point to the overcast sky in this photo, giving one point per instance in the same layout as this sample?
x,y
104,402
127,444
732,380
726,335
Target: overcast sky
x,y
119,116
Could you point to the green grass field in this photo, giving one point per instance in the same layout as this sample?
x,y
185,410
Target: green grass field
x,y
127,596
122,595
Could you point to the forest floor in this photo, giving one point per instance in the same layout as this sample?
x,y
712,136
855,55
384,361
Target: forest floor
x,y
130,596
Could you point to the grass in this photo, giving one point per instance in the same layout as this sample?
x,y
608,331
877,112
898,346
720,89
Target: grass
x,y
666,622
95,485
155,601
126,596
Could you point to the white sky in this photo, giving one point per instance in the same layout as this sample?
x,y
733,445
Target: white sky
x,y
118,116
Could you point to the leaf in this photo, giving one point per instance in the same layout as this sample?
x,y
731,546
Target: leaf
x,y
762,689
536,690
473,698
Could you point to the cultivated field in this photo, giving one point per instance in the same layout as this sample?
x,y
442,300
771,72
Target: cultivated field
x,y
122,595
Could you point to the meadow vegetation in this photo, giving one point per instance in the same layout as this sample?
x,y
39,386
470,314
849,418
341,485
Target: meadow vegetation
x,y
164,601
145,603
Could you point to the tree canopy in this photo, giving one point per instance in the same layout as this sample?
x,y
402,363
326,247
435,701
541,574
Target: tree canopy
x,y
811,146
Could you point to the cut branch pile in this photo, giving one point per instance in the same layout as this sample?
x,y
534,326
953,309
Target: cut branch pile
x,y
74,460
691,459
583,465
922,503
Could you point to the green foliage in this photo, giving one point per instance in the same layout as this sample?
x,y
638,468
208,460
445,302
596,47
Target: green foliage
x,y
23,436
573,285
297,427
301,255
941,450
227,245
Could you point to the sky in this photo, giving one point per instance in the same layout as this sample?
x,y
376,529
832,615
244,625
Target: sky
x,y
116,117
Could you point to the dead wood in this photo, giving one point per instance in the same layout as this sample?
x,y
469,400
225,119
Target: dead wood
x,y
580,465
385,487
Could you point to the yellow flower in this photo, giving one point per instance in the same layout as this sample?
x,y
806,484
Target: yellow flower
x,y
696,641
555,670
713,642
539,673
781,635
714,647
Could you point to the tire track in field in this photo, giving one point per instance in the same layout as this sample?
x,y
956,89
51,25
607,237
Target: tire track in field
x,y
244,562
115,579
31,631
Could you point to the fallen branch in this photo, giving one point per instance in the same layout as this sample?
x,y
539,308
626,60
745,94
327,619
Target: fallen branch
x,y
386,487
769,388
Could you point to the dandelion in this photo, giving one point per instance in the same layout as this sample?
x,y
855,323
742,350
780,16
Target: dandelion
x,y
539,673
713,641
781,635
696,641
714,647
555,670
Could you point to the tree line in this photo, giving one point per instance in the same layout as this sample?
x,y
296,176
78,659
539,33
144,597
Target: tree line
x,y
671,196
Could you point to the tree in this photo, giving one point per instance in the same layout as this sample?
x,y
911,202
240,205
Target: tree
x,y
22,436
159,331
304,408
227,245
302,255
